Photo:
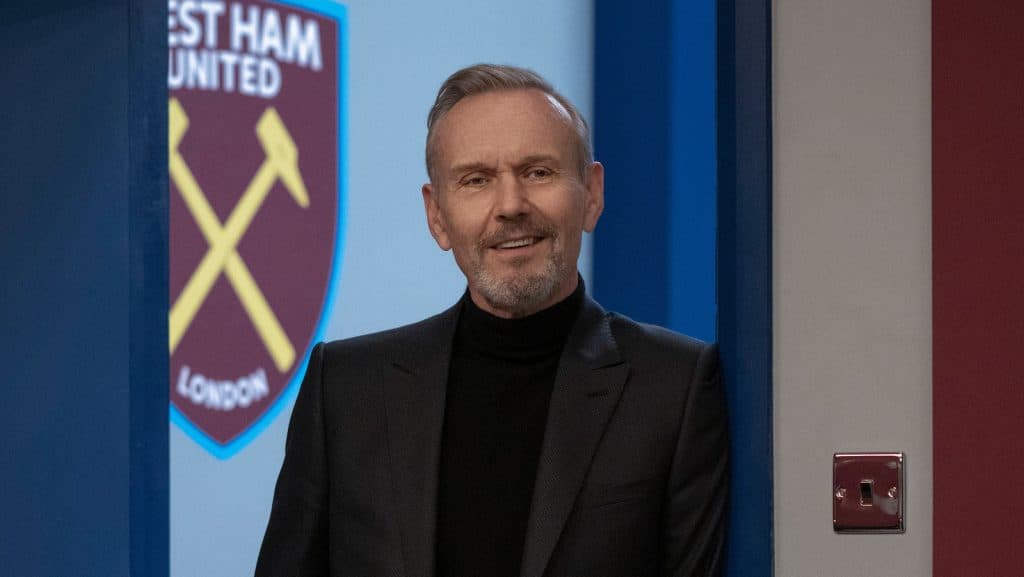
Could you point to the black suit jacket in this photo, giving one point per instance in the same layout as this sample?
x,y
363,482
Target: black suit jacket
x,y
631,479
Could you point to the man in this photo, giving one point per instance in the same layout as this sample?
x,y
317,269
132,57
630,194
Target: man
x,y
524,431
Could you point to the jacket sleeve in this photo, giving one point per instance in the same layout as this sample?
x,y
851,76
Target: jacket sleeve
x,y
694,522
295,544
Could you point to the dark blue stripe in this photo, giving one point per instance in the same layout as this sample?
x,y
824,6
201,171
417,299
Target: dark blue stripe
x,y
149,484
745,274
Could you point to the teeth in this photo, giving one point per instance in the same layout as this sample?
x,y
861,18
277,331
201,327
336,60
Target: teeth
x,y
516,243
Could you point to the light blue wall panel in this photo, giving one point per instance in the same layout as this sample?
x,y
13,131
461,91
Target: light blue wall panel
x,y
393,272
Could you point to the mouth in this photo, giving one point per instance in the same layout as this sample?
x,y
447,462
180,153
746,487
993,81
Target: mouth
x,y
517,243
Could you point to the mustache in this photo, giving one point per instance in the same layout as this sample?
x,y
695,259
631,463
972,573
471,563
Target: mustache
x,y
512,230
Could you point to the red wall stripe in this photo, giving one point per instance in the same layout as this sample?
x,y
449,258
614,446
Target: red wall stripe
x,y
978,286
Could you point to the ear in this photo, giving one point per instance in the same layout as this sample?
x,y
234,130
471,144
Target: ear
x,y
435,220
593,196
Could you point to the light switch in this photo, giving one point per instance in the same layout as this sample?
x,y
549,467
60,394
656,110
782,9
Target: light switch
x,y
867,492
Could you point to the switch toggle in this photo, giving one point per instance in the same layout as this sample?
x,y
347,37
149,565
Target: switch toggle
x,y
867,497
867,492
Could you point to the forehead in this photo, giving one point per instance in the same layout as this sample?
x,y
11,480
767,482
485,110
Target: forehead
x,y
503,126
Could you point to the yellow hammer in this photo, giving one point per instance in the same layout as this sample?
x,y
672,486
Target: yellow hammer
x,y
281,163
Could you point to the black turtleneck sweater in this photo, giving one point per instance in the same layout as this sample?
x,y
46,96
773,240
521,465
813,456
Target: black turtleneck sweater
x,y
499,385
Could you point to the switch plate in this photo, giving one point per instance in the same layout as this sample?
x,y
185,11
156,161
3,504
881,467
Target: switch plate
x,y
867,492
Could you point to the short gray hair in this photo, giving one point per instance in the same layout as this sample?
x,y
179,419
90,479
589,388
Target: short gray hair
x,y
483,78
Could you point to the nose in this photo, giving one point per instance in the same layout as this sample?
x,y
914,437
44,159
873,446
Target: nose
x,y
512,201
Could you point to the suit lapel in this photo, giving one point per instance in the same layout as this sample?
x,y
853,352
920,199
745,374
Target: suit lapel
x,y
586,390
414,393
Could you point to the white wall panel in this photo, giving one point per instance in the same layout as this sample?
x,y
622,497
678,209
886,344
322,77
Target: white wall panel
x,y
852,273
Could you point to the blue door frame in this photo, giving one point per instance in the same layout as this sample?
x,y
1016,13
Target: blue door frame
x,y
745,273
682,118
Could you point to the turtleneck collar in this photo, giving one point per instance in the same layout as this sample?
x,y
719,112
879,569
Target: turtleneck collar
x,y
523,338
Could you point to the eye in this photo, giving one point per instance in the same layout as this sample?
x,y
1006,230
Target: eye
x,y
474,180
539,173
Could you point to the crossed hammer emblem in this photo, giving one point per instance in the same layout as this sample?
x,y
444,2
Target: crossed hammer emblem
x,y
281,163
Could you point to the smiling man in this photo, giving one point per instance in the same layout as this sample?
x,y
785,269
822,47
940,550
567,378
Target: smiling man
x,y
525,431
511,194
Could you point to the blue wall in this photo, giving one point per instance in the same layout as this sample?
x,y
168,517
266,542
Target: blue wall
x,y
83,469
654,116
682,115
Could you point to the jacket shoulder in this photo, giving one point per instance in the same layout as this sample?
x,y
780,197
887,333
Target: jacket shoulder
x,y
651,344
424,334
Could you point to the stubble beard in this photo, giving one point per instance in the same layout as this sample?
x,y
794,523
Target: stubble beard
x,y
523,293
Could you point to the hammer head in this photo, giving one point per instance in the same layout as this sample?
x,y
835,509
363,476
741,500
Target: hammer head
x,y
282,154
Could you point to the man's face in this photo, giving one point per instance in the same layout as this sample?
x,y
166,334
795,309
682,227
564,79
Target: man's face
x,y
509,200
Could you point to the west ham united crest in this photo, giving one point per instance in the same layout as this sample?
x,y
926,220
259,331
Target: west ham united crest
x,y
256,206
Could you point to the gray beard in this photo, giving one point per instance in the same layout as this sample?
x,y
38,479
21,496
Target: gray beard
x,y
522,294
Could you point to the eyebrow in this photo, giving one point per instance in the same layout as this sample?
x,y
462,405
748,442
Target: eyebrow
x,y
538,159
485,167
470,167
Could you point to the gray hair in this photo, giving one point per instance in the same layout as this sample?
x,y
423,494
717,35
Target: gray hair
x,y
483,78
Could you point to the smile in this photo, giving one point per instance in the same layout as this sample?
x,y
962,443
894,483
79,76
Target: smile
x,y
518,243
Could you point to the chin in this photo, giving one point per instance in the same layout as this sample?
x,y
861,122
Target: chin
x,y
519,292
